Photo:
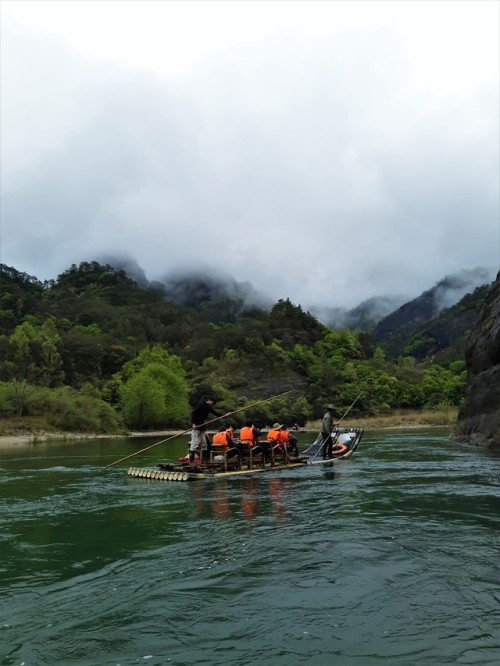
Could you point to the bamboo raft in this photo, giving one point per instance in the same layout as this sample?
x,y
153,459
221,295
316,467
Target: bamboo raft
x,y
215,469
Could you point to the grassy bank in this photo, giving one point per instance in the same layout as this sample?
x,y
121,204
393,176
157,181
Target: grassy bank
x,y
35,429
445,416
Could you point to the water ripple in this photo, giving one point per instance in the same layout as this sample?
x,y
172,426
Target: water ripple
x,y
389,558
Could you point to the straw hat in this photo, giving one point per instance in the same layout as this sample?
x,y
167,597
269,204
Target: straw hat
x,y
277,426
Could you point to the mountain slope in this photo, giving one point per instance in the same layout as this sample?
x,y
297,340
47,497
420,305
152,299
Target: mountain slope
x,y
397,330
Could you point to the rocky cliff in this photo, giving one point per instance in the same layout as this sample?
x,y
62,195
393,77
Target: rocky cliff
x,y
479,418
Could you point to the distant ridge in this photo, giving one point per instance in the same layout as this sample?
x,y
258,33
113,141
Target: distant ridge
x,y
394,331
364,317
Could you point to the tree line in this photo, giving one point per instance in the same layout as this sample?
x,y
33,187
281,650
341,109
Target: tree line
x,y
93,351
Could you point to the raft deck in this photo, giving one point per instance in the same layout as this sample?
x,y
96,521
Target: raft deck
x,y
182,472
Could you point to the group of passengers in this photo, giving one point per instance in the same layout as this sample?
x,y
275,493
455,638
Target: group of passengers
x,y
277,438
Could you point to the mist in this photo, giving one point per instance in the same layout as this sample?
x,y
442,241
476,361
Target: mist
x,y
320,170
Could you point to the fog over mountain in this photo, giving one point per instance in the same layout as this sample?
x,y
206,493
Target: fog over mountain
x,y
198,287
364,316
329,152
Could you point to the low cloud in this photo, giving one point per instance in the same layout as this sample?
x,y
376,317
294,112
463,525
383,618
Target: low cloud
x,y
309,173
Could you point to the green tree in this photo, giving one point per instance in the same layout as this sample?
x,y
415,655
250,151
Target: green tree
x,y
154,390
143,400
440,385
290,324
33,353
15,397
301,411
50,361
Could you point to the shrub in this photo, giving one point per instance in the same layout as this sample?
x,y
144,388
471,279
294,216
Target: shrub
x,y
69,410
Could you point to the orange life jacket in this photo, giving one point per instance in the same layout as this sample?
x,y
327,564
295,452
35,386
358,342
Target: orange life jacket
x,y
274,436
246,435
220,438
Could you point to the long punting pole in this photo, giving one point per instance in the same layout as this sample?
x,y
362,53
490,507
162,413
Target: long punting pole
x,y
184,432
349,408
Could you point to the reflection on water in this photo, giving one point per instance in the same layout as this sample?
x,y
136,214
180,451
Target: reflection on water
x,y
391,557
230,498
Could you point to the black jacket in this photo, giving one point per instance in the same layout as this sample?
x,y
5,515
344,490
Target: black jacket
x,y
201,413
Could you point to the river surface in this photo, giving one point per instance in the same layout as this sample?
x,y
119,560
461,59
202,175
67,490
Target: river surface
x,y
392,557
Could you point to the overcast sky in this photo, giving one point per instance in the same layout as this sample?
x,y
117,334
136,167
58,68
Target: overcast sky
x,y
323,151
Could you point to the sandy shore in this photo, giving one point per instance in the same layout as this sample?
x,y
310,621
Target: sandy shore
x,y
34,438
23,439
28,439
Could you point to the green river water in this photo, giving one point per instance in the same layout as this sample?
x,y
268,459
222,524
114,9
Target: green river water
x,y
392,557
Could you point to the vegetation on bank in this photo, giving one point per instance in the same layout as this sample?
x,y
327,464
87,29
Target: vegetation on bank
x,y
94,352
38,429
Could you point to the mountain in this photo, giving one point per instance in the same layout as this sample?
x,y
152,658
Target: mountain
x,y
196,291
435,325
364,317
210,291
424,327
88,329
397,329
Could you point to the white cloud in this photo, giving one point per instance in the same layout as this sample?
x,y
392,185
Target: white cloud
x,y
325,152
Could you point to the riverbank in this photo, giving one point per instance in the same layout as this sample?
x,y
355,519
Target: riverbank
x,y
20,438
10,435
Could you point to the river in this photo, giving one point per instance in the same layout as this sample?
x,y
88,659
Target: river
x,y
392,557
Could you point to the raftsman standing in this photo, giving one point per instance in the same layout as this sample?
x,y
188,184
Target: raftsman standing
x,y
327,426
199,438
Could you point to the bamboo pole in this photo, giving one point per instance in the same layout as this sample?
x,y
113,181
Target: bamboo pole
x,y
184,432
349,408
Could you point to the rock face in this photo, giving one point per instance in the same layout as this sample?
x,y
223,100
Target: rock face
x,y
479,418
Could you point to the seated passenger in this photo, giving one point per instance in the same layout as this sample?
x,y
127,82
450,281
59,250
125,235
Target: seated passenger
x,y
274,434
225,438
250,435
275,438
289,442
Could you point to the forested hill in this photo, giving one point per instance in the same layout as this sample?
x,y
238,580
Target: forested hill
x,y
92,350
440,318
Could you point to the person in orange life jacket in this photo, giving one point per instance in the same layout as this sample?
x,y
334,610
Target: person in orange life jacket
x,y
274,436
289,441
220,438
250,435
225,438
274,433
199,437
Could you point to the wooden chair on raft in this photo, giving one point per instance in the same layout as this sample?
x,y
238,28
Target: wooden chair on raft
x,y
252,455
228,458
278,453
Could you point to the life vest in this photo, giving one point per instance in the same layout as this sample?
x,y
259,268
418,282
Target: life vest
x,y
246,435
274,436
220,438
